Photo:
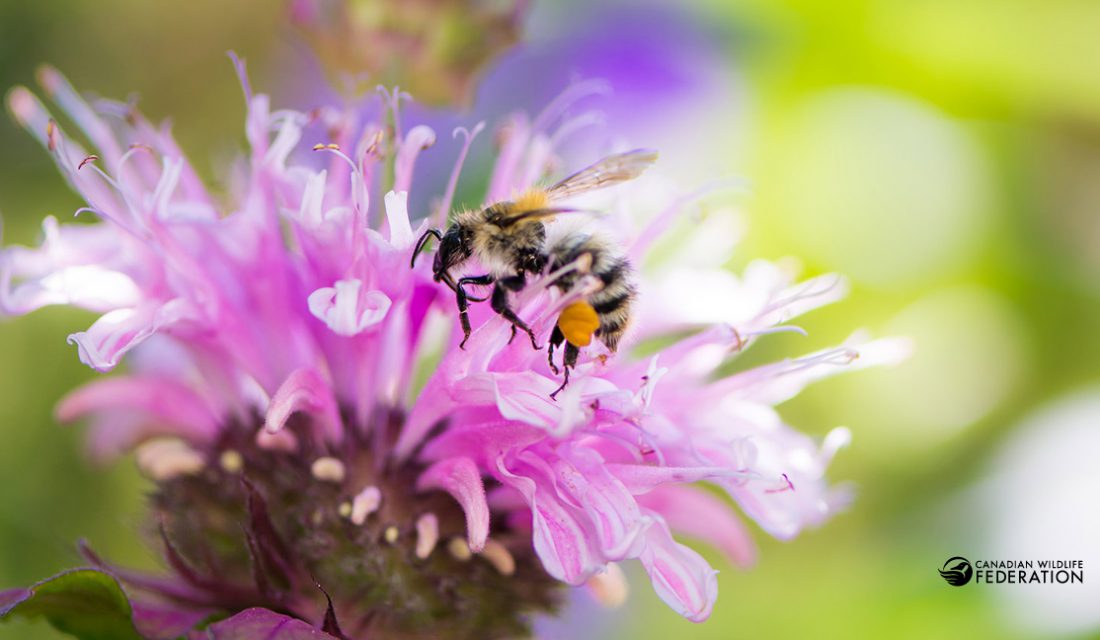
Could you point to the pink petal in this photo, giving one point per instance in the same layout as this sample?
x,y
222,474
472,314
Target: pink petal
x,y
345,310
304,390
102,346
698,513
397,216
642,478
681,577
78,265
130,409
460,478
524,397
561,541
613,511
85,286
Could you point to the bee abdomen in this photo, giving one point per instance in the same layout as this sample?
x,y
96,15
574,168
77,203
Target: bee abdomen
x,y
613,304
613,301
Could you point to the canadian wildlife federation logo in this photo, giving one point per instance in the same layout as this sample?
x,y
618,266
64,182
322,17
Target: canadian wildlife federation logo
x,y
957,571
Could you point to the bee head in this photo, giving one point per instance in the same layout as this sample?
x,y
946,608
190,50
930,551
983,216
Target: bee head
x,y
454,249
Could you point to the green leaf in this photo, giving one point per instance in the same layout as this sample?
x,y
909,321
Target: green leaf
x,y
85,603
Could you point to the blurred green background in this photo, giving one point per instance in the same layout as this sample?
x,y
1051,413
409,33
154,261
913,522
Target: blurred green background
x,y
944,155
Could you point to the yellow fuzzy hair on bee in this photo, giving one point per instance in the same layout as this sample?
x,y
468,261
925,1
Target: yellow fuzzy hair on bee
x,y
532,199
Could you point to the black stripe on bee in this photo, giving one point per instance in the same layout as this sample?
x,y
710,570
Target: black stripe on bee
x,y
611,325
614,272
605,307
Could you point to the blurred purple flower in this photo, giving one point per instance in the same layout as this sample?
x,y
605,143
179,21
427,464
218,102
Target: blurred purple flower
x,y
276,333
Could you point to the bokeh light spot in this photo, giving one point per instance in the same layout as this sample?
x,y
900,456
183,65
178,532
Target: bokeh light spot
x,y
879,186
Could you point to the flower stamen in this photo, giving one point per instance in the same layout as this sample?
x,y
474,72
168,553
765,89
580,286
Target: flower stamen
x,y
459,549
328,469
427,535
499,556
365,503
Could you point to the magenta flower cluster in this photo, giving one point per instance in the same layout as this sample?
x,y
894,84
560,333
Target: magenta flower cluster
x,y
287,297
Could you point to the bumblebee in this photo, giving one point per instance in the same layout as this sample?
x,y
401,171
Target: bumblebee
x,y
510,240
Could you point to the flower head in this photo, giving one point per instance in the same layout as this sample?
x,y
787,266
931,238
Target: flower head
x,y
320,444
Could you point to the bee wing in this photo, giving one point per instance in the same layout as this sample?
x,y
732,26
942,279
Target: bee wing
x,y
612,170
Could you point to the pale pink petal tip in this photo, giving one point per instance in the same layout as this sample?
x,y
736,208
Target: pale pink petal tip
x,y
303,390
102,346
397,216
461,478
681,577
23,105
50,78
346,310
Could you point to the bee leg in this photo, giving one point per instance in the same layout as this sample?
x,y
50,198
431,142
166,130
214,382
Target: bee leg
x,y
570,361
463,316
485,279
500,305
462,298
556,338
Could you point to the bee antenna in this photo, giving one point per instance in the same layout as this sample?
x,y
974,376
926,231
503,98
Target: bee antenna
x,y
423,241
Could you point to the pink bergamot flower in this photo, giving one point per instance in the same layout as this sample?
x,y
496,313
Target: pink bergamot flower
x,y
322,450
